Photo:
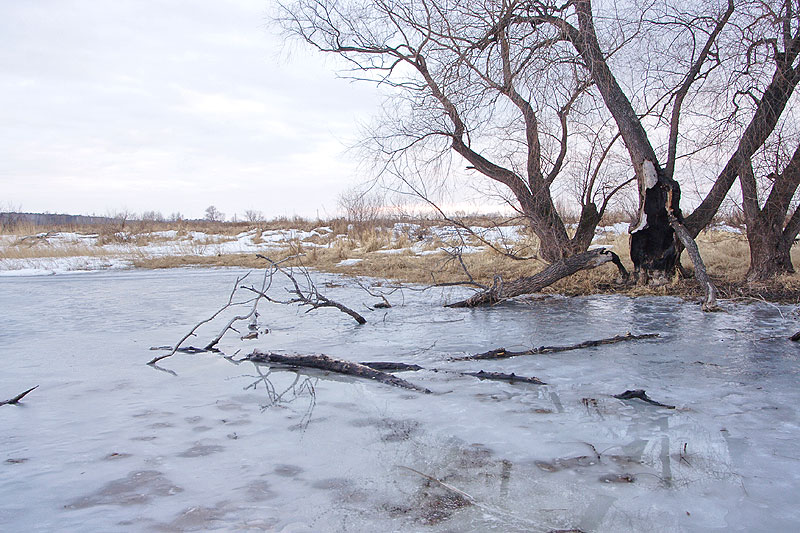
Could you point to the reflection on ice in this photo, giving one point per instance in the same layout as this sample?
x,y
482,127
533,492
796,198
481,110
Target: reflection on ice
x,y
106,443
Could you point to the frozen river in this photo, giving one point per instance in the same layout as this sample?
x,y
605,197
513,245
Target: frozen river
x,y
107,443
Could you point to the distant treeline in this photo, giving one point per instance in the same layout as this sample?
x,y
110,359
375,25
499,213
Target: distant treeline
x,y
47,219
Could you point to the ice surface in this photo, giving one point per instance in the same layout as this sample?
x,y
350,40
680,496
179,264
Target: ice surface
x,y
107,443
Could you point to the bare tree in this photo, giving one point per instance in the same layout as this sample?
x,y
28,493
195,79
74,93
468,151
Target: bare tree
x,y
214,215
760,105
654,244
362,206
465,84
251,215
759,85
152,216
770,230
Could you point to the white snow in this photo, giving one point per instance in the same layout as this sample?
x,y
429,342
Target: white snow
x,y
348,262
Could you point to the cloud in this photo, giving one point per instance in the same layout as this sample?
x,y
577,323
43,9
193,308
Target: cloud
x,y
168,106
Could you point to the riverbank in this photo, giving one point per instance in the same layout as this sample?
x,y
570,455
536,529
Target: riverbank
x,y
423,252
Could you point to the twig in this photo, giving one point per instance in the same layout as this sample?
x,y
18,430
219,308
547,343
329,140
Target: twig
x,y
230,303
253,311
501,514
311,296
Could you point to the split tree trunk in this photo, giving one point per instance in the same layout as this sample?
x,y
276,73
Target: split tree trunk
x,y
653,243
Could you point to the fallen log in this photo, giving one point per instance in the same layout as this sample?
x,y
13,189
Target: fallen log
x,y
340,366
640,394
502,353
530,284
510,378
15,400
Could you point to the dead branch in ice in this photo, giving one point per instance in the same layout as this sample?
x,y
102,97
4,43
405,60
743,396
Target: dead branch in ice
x,y
500,376
795,337
641,395
297,389
441,483
481,374
15,400
530,284
502,353
377,294
308,295
340,366
266,283
230,303
387,366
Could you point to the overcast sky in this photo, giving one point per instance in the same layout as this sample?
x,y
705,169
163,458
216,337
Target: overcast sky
x,y
169,105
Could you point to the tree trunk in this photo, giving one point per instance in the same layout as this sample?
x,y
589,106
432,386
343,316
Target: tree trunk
x,y
540,211
770,243
769,252
653,243
587,224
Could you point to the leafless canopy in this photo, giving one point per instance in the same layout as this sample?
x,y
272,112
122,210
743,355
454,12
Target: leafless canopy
x,y
507,99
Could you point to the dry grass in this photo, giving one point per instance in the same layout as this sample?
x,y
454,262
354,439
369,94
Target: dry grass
x,y
726,255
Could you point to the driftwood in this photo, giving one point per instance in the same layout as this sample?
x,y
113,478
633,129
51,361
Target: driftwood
x,y
641,395
499,376
15,400
386,366
340,366
502,353
530,284
795,337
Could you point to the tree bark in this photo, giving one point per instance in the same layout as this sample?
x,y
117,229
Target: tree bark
x,y
548,276
769,253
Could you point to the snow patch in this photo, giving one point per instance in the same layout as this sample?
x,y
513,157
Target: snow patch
x,y
348,262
